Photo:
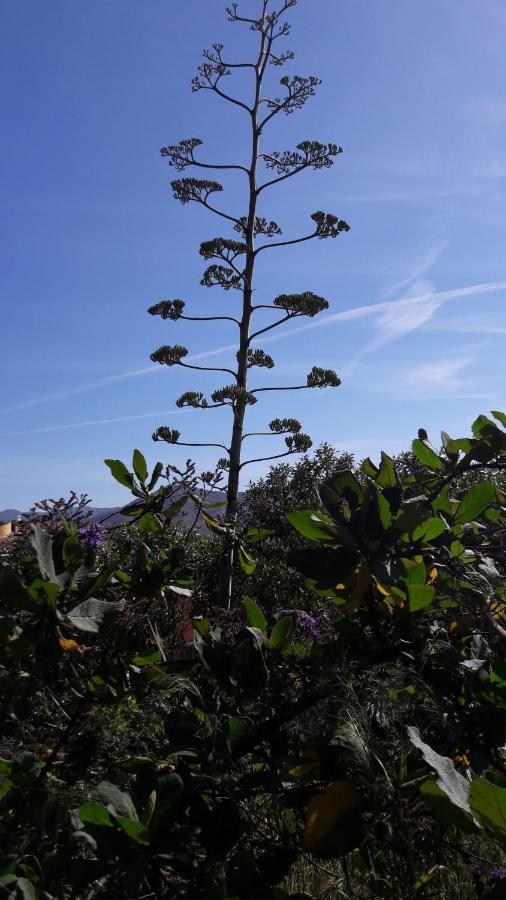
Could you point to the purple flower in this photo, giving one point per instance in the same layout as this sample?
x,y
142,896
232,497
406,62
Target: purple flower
x,y
311,625
93,537
495,873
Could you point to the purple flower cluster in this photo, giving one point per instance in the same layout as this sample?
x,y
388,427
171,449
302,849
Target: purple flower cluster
x,y
93,537
311,626
496,872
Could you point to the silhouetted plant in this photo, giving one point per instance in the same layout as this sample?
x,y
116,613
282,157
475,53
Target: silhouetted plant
x,y
235,259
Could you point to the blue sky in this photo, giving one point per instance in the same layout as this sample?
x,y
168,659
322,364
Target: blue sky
x,y
416,95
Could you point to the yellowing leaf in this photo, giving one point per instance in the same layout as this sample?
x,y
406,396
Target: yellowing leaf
x,y
497,610
70,646
382,588
305,769
433,574
325,809
213,524
362,582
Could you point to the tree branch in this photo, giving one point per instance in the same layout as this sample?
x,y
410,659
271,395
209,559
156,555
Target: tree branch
x,y
264,434
218,212
301,240
211,319
281,178
268,458
297,387
269,327
206,368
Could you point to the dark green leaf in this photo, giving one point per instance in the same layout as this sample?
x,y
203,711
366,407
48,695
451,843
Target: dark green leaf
x,y
72,552
246,562
488,803
500,416
426,455
387,475
313,525
281,633
134,830
445,811
120,801
429,530
255,615
475,501
91,614
420,596
120,472
139,466
255,535
94,814
42,543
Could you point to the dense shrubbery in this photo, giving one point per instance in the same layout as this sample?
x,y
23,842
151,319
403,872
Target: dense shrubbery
x,y
346,739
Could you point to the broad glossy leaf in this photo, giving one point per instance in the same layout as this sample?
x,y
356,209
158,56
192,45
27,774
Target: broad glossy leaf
x,y
120,801
120,472
255,615
451,782
94,814
488,803
256,535
429,530
155,475
500,416
420,596
445,811
385,513
136,831
139,465
91,614
475,502
72,552
42,543
313,525
341,486
325,809
387,474
246,562
280,634
426,455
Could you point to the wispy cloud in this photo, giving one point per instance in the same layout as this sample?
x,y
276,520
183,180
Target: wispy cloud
x,y
90,422
408,196
436,379
394,319
418,270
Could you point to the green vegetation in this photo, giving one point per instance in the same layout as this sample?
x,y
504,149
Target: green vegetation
x,y
343,736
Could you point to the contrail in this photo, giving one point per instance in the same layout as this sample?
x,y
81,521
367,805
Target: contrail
x,y
172,412
347,315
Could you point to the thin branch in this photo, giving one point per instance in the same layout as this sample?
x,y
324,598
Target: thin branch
x,y
282,178
269,327
184,444
211,319
301,240
219,212
206,368
229,99
264,434
202,165
297,387
267,458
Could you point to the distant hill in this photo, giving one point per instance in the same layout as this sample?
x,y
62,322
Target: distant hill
x,y
109,516
8,515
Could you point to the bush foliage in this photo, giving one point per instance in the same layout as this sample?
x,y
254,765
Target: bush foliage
x,y
345,736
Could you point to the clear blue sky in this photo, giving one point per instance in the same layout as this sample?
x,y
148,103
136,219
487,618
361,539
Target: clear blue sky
x,y
416,95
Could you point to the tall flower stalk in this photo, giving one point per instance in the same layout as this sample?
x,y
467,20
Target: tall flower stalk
x,y
232,261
